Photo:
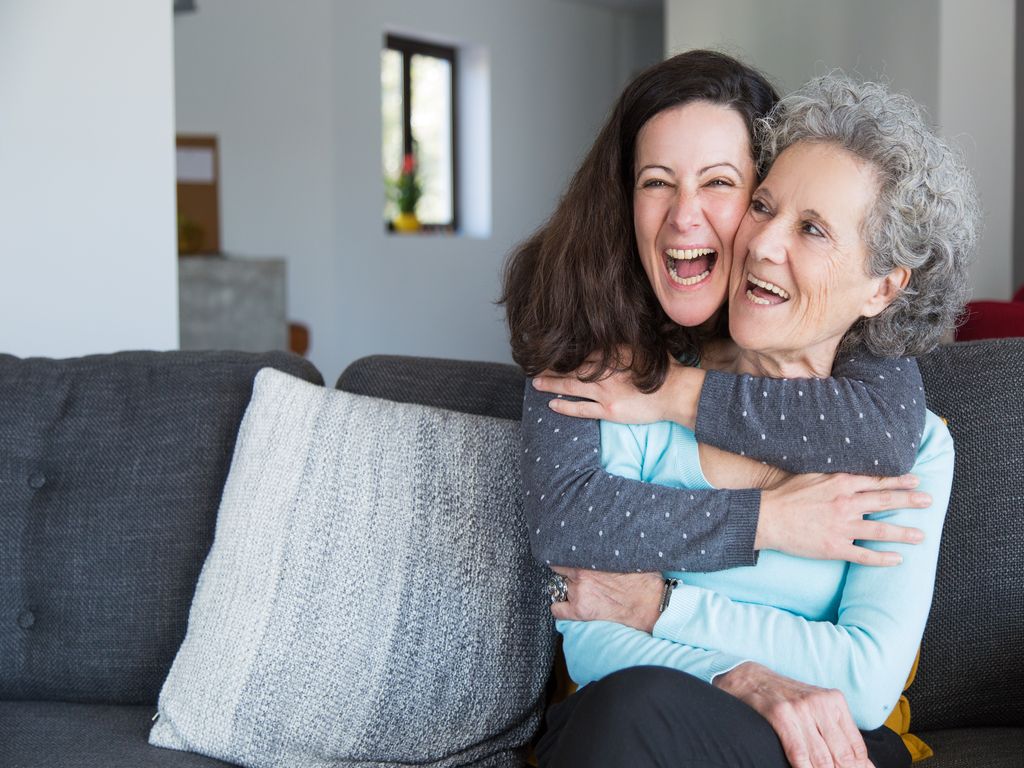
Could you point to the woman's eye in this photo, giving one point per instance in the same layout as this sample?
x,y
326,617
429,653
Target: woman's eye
x,y
721,183
812,229
653,184
757,206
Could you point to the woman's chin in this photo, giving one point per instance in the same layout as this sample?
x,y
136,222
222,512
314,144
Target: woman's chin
x,y
692,312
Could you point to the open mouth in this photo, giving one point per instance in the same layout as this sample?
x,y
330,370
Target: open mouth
x,y
689,266
765,293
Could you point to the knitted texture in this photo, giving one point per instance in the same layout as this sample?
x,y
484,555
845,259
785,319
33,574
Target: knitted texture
x,y
970,671
369,598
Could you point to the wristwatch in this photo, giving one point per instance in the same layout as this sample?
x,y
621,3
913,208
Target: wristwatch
x,y
666,594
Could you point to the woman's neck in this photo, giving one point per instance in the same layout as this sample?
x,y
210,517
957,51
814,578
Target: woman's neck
x,y
725,355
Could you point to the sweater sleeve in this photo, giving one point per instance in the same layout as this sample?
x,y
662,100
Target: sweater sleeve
x,y
869,650
596,649
867,419
582,516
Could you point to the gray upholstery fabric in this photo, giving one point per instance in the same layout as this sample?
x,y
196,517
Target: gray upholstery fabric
x,y
111,469
369,598
49,734
971,671
487,389
975,748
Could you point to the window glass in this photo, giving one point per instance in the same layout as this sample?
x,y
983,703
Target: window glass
x,y
432,131
391,95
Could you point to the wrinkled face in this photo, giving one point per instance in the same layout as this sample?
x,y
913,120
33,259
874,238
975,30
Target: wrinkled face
x,y
799,279
693,178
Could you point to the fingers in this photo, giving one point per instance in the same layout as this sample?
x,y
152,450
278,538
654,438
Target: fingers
x,y
873,530
558,385
842,739
563,611
863,556
882,501
854,737
580,409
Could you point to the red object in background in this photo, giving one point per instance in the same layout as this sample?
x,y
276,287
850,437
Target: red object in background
x,y
993,319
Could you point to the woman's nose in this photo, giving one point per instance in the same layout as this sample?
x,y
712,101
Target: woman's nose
x,y
768,243
686,211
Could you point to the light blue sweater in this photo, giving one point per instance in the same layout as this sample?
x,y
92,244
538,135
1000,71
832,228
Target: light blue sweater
x,y
826,623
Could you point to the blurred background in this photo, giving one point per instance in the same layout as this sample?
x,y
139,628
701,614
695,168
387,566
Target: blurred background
x,y
214,173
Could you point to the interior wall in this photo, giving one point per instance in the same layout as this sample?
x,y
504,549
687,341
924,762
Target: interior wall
x,y
976,94
294,94
1018,187
87,177
955,57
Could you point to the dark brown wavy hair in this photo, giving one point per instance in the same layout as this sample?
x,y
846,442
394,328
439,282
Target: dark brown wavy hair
x,y
576,286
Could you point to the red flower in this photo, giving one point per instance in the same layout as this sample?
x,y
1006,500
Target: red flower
x,y
408,164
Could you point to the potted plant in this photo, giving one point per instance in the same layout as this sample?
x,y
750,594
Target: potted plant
x,y
406,191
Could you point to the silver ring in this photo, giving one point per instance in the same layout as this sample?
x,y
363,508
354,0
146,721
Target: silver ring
x,y
557,590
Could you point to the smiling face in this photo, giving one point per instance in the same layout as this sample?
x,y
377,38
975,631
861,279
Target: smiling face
x,y
800,280
693,178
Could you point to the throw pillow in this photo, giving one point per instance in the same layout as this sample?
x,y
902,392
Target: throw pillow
x,y
370,598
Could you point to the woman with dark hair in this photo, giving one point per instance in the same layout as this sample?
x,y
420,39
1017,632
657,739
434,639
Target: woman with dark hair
x,y
599,289
858,238
630,274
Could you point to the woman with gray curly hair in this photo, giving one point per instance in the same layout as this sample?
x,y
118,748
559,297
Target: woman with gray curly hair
x,y
859,235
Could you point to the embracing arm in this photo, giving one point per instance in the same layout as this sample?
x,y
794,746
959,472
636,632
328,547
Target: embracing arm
x,y
869,650
596,649
577,510
867,419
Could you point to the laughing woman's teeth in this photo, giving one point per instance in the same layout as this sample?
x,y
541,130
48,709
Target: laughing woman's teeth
x,y
686,280
687,254
756,299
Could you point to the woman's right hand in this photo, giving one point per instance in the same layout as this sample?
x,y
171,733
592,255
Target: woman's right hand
x,y
820,516
813,724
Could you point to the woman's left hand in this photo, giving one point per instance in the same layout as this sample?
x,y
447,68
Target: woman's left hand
x,y
615,397
631,599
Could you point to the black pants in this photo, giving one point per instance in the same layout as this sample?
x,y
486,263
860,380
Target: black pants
x,y
663,718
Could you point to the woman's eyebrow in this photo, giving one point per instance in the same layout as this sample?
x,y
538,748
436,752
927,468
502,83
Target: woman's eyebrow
x,y
655,166
726,164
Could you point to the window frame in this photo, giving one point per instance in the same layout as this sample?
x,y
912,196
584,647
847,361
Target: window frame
x,y
408,47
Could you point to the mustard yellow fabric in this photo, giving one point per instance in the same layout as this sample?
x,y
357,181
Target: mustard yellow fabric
x,y
899,721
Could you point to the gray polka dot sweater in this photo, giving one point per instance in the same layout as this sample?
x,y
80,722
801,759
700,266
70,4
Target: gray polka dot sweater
x,y
867,419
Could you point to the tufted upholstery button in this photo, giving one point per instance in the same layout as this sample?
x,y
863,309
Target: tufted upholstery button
x,y
26,619
36,480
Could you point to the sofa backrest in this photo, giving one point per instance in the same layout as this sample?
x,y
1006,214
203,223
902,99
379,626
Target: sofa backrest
x,y
111,471
970,672
486,389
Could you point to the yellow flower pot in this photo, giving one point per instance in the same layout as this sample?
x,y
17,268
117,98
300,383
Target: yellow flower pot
x,y
406,222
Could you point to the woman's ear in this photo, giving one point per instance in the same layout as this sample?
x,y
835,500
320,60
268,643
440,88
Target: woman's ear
x,y
889,287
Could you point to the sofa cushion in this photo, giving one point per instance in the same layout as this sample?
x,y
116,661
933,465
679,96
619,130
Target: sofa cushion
x,y
111,469
970,672
44,734
370,598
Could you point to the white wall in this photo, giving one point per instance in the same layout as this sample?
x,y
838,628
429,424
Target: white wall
x,y
954,56
293,91
88,254
976,109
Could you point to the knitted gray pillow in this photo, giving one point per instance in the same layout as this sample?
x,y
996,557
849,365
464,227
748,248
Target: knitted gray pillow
x,y
370,598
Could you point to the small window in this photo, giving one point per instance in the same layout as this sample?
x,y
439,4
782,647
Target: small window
x,y
419,118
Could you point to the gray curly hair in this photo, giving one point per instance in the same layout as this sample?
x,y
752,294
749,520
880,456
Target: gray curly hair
x,y
926,216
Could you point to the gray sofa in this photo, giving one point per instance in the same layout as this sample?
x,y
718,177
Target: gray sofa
x,y
111,469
